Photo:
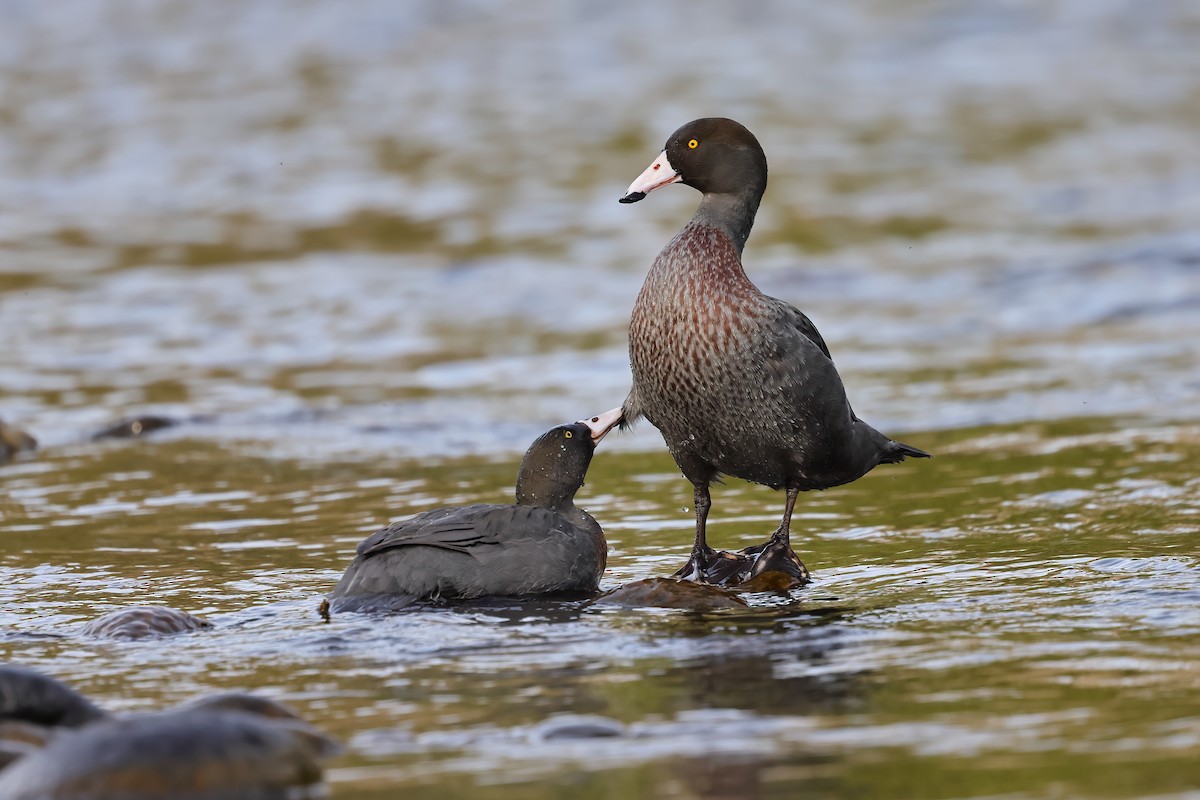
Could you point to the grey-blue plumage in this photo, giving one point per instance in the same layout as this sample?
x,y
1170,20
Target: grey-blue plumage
x,y
542,544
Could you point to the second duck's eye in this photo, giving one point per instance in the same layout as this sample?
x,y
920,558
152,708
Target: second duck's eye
x,y
693,144
568,434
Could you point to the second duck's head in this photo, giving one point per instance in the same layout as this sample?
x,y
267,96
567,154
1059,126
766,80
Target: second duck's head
x,y
556,463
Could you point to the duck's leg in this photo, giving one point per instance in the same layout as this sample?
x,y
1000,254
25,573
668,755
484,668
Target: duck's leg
x,y
784,532
703,502
702,555
777,553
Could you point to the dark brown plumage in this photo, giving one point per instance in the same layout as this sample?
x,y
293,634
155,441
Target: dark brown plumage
x,y
542,544
738,383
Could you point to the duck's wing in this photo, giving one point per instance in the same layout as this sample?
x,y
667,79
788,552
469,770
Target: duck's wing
x,y
800,348
797,319
460,529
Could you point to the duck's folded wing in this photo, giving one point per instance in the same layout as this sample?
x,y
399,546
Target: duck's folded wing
x,y
795,359
460,529
797,319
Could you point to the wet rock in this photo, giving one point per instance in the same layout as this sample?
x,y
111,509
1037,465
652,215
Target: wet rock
x,y
32,706
196,753
135,427
671,593
241,701
13,442
140,622
578,726
19,739
24,733
29,696
227,746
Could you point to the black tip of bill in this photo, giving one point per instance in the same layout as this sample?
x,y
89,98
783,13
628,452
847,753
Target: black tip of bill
x,y
633,197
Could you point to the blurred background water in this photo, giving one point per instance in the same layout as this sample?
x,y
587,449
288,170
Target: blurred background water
x,y
365,252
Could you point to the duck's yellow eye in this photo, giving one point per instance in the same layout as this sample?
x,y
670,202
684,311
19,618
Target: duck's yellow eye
x,y
568,434
693,144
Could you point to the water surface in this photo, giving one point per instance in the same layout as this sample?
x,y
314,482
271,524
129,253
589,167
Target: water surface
x,y
365,255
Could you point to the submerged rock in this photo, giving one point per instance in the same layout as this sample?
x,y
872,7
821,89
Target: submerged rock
x,y
140,622
578,726
671,593
135,426
13,442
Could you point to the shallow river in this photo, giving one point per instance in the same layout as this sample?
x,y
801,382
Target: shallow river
x,y
364,254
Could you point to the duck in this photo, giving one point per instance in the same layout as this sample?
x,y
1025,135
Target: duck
x,y
541,544
737,382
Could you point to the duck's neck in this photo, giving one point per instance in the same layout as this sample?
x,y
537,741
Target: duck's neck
x,y
581,519
732,213
563,505
545,497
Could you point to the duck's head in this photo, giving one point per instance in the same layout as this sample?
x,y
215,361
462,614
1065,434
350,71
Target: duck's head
x,y
557,462
714,154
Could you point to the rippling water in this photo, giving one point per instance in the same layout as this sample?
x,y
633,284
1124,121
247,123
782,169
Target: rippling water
x,y
364,254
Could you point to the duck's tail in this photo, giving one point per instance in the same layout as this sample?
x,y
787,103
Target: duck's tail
x,y
894,452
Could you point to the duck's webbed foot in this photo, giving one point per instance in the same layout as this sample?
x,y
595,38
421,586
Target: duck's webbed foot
x,y
773,566
712,566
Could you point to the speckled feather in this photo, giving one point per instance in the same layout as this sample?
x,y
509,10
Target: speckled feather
x,y
739,383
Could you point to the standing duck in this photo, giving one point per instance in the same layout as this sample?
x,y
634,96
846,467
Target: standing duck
x,y
540,545
737,382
